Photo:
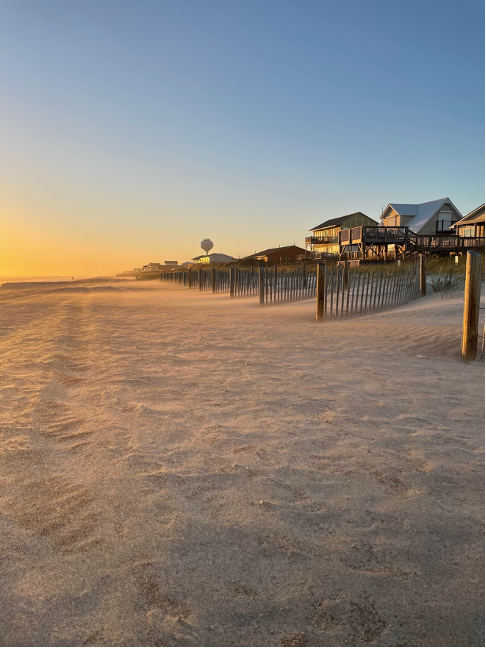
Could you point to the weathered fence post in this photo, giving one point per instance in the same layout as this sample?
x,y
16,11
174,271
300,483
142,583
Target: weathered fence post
x,y
423,275
482,344
213,279
320,290
232,281
346,275
472,296
189,278
261,285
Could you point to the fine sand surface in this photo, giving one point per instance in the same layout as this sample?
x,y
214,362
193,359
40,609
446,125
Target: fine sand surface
x,y
181,469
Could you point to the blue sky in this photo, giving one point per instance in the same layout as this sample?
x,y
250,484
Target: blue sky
x,y
132,130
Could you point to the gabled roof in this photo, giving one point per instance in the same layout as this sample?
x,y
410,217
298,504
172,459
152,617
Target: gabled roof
x,y
472,216
421,213
213,254
272,250
336,221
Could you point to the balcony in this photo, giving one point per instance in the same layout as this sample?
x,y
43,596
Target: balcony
x,y
318,256
321,240
444,226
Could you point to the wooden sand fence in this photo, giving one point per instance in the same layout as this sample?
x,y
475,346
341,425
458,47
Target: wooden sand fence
x,y
348,292
238,282
273,285
282,284
340,291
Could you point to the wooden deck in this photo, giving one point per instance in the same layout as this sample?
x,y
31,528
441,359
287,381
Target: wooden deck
x,y
375,242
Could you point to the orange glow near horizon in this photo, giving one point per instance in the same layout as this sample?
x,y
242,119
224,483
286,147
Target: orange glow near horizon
x,y
48,246
27,249
48,233
34,248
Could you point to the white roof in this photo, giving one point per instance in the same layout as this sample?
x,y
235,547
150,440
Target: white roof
x,y
473,215
215,256
421,213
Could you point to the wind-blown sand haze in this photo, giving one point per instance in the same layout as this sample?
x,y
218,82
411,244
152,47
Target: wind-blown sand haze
x,y
184,469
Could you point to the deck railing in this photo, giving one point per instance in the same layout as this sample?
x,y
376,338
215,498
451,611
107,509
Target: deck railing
x,y
317,256
384,233
404,236
320,239
473,242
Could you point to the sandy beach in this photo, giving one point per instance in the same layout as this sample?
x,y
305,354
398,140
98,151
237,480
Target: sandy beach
x,y
180,469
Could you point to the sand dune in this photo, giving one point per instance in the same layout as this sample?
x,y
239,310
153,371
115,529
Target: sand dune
x,y
182,469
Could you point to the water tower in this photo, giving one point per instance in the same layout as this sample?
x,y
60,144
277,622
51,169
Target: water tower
x,y
207,245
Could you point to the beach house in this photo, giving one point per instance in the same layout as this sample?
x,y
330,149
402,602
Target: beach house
x,y
216,257
472,224
414,228
152,267
433,217
278,254
324,240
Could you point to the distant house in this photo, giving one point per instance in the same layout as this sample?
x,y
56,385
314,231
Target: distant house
x,y
472,224
434,217
152,267
213,258
278,255
325,237
170,263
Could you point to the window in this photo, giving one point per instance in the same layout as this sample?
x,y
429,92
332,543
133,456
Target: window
x,y
444,221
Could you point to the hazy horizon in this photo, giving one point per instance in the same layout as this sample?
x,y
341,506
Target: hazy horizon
x,y
14,277
131,131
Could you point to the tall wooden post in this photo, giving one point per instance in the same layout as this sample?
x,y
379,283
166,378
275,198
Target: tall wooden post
x,y
423,275
189,278
320,291
472,296
261,285
213,279
232,281
482,344
346,275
